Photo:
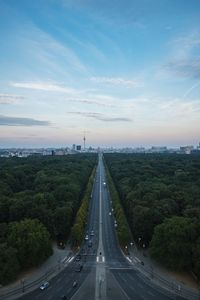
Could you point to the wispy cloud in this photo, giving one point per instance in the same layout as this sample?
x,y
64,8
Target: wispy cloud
x,y
90,102
117,81
185,45
185,58
48,53
101,117
16,121
43,86
185,68
9,98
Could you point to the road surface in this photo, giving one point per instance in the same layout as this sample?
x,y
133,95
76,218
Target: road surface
x,y
106,274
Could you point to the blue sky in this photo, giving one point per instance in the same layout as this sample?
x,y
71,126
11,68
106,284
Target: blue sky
x,y
124,72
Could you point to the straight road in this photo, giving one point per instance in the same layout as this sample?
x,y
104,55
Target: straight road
x,y
107,274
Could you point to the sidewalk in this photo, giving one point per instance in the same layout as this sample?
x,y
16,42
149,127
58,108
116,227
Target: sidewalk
x,y
52,266
176,281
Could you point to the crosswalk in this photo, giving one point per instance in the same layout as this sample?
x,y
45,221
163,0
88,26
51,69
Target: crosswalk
x,y
100,259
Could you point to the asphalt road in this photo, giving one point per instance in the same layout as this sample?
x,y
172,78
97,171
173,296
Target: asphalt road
x,y
106,274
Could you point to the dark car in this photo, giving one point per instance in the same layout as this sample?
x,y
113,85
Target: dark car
x,y
78,268
64,297
44,286
90,243
78,257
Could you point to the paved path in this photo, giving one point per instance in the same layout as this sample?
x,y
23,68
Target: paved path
x,y
55,262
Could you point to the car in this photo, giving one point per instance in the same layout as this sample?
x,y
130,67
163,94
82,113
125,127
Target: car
x,y
78,268
78,257
104,184
92,232
110,213
90,243
44,286
86,237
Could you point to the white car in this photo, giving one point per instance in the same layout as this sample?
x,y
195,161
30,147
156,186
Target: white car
x,y
86,237
44,286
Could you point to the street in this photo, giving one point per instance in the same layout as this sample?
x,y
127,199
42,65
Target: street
x,y
106,272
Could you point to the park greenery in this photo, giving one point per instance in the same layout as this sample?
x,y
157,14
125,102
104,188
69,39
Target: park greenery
x,y
122,229
78,231
39,200
160,195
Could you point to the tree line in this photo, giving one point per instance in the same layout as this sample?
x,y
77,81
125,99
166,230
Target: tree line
x,y
123,231
39,199
161,198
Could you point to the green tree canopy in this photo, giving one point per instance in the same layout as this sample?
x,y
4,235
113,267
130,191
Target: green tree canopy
x,y
31,240
172,242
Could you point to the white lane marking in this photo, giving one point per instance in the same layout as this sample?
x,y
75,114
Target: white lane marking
x,y
71,259
128,259
97,259
64,259
103,259
138,260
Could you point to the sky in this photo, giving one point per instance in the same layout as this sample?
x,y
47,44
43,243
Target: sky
x,y
124,73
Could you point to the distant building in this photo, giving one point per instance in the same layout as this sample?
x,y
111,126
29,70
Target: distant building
x,y
59,152
78,148
186,149
158,149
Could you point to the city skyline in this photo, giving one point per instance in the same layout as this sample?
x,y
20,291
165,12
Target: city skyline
x,y
123,73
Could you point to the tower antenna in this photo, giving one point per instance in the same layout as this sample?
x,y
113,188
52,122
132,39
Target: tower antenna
x,y
84,139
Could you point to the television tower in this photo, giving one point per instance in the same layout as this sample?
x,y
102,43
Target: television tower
x,y
84,139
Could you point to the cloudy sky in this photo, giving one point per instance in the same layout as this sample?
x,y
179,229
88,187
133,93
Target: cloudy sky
x,y
124,72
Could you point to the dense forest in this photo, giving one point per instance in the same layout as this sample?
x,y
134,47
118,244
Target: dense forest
x,y
160,195
39,199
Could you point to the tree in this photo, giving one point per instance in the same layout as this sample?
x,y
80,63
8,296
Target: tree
x,y
9,264
31,240
196,256
173,241
62,220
